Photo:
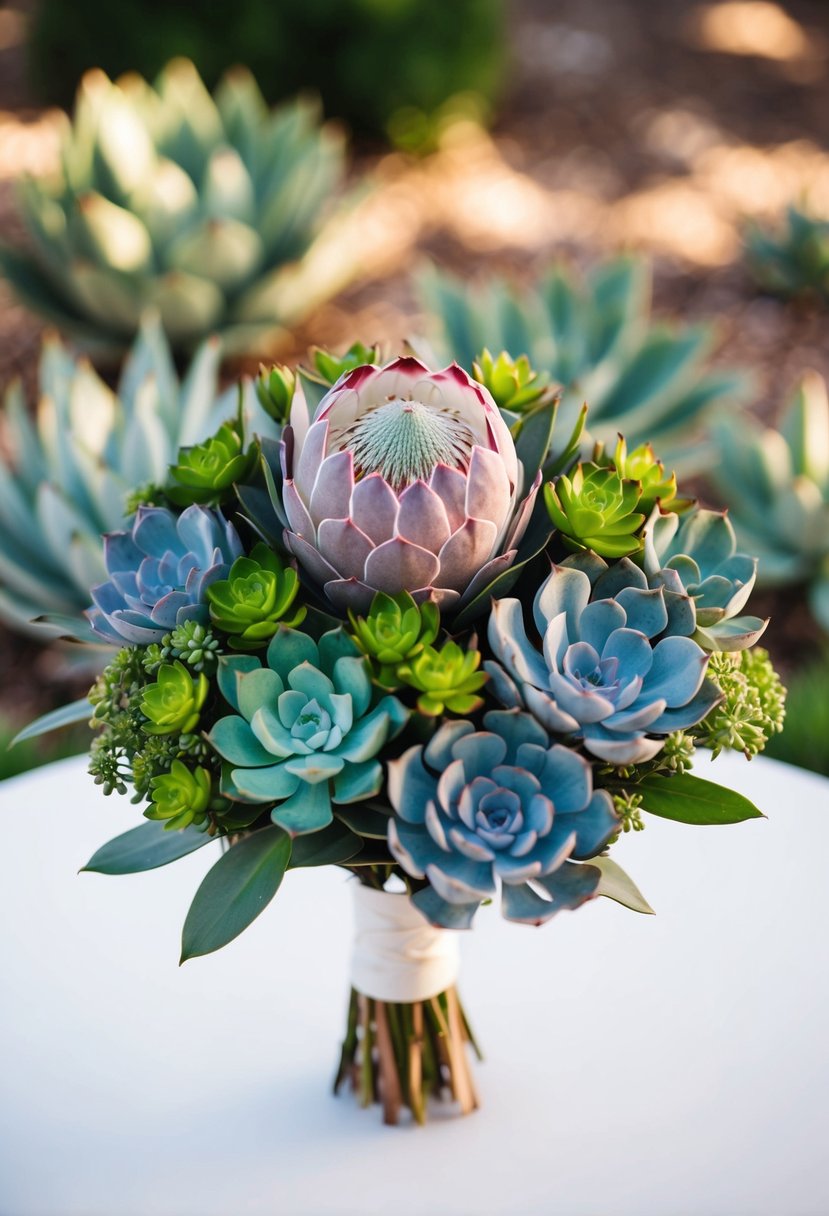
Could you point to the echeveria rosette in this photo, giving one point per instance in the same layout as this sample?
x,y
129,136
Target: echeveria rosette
x,y
257,596
395,630
696,557
306,730
606,676
447,679
159,572
180,797
641,465
474,808
406,480
206,472
174,702
596,509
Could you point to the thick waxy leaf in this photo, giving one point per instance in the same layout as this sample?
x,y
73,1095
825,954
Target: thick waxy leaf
x,y
329,847
146,847
689,799
67,715
240,886
616,884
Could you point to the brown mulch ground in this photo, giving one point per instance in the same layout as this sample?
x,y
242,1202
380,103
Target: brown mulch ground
x,y
629,123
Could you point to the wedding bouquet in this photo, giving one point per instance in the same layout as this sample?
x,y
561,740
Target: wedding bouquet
x,y
418,637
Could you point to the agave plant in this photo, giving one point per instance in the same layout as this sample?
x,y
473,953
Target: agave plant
x,y
777,485
595,336
168,197
793,261
66,474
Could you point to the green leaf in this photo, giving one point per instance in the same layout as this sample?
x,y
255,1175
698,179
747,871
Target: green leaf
x,y
364,820
533,435
232,894
67,715
146,847
689,799
329,847
616,884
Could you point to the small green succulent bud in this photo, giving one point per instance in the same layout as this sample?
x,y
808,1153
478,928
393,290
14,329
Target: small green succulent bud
x,y
329,368
180,797
448,679
275,387
206,472
173,703
395,630
513,383
255,598
596,509
194,644
642,465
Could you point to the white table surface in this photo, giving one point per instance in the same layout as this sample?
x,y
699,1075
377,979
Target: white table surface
x,y
667,1065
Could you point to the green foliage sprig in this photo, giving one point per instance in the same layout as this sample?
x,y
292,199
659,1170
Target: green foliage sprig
x,y
753,706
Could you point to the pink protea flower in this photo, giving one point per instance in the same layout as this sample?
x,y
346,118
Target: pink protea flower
x,y
406,479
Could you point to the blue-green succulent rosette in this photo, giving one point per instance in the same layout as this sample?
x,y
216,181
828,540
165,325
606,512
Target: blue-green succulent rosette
x,y
502,805
611,673
696,560
308,729
159,572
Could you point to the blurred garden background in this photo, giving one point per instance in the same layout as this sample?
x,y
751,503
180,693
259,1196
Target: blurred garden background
x,y
633,194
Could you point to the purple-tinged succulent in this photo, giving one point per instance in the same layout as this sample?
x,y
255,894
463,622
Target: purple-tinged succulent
x,y
407,480
610,672
477,807
159,572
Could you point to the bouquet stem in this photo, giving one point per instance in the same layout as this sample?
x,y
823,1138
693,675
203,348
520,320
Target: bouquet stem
x,y
400,1054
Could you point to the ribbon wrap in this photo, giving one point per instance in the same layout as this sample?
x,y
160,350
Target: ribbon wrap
x,y
398,956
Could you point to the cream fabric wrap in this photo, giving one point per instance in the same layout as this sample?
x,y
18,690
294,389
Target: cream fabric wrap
x,y
398,956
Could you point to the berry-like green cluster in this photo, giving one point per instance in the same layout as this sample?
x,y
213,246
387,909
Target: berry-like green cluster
x,y
753,706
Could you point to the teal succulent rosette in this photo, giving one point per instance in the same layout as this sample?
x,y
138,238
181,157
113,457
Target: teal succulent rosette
x,y
499,806
409,633
307,730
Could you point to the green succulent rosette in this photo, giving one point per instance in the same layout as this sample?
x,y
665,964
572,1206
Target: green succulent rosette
x,y
641,465
174,702
396,630
306,730
596,509
180,797
255,598
207,472
514,384
448,680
